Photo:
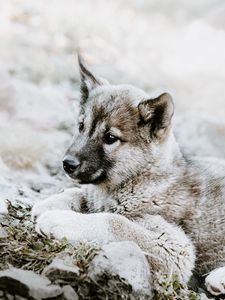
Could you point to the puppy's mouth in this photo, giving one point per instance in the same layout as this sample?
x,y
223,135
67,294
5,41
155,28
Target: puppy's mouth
x,y
87,178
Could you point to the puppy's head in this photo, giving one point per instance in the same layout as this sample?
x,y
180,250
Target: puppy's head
x,y
118,130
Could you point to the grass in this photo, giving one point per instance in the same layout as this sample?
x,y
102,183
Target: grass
x,y
24,248
170,288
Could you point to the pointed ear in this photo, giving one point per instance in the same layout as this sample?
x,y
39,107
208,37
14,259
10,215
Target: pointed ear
x,y
88,80
157,113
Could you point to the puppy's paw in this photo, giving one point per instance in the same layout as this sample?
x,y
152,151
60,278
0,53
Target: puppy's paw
x,y
59,224
74,226
215,281
51,203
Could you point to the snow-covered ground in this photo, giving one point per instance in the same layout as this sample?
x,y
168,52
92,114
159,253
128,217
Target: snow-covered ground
x,y
173,45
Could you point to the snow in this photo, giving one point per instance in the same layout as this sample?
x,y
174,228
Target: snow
x,y
175,46
28,284
61,265
215,281
3,207
126,260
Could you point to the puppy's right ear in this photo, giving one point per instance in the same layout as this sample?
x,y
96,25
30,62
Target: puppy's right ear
x,y
88,80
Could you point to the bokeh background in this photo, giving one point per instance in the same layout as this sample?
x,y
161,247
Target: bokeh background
x,y
169,45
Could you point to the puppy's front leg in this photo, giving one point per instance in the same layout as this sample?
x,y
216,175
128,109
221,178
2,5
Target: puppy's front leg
x,y
70,199
168,250
167,247
75,226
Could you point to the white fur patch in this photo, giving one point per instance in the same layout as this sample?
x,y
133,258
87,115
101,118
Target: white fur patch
x,y
74,226
97,174
63,201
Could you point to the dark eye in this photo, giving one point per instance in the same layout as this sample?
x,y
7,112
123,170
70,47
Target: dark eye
x,y
110,139
81,126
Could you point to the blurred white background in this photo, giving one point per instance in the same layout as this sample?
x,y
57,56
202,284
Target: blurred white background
x,y
169,45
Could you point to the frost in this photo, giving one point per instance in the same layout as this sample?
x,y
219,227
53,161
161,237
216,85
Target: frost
x,y
178,47
175,46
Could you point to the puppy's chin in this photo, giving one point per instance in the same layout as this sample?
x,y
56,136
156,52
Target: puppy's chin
x,y
84,178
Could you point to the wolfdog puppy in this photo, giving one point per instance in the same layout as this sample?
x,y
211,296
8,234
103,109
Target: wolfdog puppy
x,y
137,185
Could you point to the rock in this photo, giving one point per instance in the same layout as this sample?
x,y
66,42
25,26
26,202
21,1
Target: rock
x,y
69,293
3,232
3,207
19,298
27,284
9,297
62,267
203,296
126,260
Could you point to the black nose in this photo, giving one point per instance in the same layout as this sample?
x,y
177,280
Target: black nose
x,y
70,165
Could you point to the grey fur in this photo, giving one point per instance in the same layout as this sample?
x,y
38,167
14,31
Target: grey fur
x,y
183,191
145,173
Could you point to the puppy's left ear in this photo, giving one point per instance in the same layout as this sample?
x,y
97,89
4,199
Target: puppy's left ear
x,y
88,80
157,114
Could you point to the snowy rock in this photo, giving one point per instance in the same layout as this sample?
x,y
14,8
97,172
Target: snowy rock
x,y
204,297
126,260
3,232
61,267
3,207
69,293
27,284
